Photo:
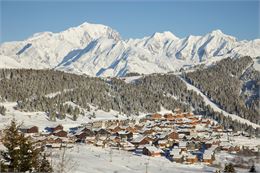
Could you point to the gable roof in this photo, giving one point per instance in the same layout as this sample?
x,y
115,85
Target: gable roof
x,y
153,149
138,139
27,127
175,151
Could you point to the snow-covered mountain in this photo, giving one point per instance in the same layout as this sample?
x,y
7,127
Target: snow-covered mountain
x,y
98,50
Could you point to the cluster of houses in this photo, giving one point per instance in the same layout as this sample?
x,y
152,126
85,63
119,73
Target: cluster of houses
x,y
179,137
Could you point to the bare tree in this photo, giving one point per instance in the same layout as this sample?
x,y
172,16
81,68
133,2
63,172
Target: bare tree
x,y
65,163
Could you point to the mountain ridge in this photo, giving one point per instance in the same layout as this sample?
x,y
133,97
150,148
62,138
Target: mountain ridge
x,y
98,50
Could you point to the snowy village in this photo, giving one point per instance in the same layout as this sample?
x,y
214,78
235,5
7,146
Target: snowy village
x,y
178,137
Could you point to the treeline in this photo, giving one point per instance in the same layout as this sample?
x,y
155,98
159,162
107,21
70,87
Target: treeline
x,y
31,89
18,84
223,83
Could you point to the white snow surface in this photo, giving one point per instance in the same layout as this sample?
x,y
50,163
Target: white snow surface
x,y
7,62
98,50
130,79
216,108
41,120
87,158
51,95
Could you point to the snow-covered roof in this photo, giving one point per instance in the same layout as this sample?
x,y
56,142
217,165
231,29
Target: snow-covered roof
x,y
153,149
123,132
182,144
112,137
138,139
181,135
186,120
99,143
208,152
57,131
177,156
127,144
54,126
163,135
79,132
207,156
200,127
190,156
175,151
113,127
102,138
27,126
162,142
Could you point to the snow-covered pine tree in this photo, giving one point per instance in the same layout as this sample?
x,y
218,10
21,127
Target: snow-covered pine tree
x,y
22,154
229,168
11,140
45,165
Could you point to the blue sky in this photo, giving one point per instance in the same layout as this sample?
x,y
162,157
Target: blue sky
x,y
20,19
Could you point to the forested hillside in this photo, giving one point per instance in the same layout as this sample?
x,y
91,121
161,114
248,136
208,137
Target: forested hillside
x,y
57,93
232,84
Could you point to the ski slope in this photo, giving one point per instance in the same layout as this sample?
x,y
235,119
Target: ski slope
x,y
216,108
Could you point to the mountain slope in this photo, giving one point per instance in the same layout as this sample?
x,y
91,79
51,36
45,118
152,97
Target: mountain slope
x,y
232,84
216,107
98,50
59,94
47,49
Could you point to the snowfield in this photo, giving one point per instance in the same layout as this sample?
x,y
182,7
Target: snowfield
x,y
87,158
41,119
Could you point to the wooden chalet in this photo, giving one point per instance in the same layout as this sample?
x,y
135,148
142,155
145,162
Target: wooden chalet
x,y
178,158
81,136
29,129
148,131
191,159
163,143
173,135
169,117
125,135
131,129
140,140
54,128
127,146
114,138
115,129
176,155
102,132
208,157
152,151
86,130
156,116
60,133
53,139
183,145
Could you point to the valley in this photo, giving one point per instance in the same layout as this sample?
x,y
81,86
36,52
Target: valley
x,y
87,100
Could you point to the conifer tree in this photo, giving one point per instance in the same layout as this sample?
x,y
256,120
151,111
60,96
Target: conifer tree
x,y
229,168
28,154
11,140
2,110
45,165
22,155
252,169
